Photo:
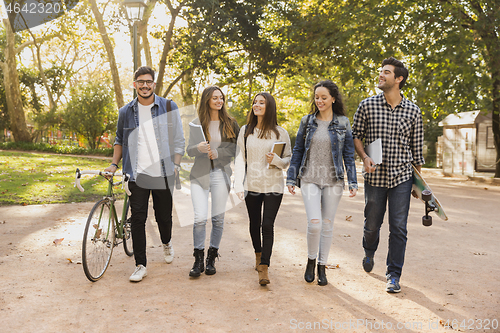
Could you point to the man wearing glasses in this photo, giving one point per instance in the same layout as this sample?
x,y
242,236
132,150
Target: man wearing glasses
x,y
150,139
398,123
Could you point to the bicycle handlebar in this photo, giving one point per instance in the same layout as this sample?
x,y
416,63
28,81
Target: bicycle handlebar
x,y
124,182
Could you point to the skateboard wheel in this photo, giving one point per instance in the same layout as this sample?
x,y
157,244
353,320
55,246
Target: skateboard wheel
x,y
427,221
426,195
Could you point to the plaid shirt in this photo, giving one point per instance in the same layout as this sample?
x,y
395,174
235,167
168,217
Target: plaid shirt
x,y
402,135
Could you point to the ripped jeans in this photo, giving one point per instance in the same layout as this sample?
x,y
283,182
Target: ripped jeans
x,y
321,204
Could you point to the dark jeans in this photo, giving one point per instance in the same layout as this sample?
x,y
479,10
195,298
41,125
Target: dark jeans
x,y
258,220
376,199
139,202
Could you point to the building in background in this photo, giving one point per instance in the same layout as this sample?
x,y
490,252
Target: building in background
x,y
466,145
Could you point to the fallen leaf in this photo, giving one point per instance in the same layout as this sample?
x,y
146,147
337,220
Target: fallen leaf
x,y
348,218
24,204
332,266
24,184
57,241
70,261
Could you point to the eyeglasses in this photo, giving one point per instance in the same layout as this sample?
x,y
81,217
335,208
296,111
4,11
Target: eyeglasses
x,y
141,83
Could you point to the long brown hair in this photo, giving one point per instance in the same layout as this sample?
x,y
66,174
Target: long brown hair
x,y
270,121
204,114
338,106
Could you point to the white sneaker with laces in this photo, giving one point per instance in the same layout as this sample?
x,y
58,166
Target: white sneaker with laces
x,y
168,252
139,273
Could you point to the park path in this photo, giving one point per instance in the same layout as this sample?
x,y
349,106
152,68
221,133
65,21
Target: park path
x,y
451,273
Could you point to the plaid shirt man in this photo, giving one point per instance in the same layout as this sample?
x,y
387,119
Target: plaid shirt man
x,y
402,135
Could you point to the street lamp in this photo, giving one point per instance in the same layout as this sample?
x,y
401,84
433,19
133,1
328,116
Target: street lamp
x,y
135,11
229,102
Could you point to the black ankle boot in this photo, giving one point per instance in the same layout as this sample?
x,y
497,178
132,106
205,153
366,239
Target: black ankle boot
x,y
309,274
322,281
211,255
198,266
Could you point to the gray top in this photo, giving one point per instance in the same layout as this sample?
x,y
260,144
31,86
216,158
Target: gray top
x,y
320,169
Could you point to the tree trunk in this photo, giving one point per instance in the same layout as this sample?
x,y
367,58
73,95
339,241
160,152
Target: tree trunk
x,y
143,32
495,117
187,88
15,107
110,53
492,43
166,47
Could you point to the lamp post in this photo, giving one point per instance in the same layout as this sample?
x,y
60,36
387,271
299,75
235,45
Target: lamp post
x,y
229,102
135,11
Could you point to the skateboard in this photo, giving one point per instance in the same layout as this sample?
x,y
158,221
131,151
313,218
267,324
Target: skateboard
x,y
425,194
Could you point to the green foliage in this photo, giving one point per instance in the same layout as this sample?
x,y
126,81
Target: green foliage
x,y
91,112
58,149
29,178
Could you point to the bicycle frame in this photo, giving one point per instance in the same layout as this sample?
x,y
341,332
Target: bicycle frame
x,y
110,196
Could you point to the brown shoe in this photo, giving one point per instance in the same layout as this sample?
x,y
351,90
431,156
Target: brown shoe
x,y
263,275
258,255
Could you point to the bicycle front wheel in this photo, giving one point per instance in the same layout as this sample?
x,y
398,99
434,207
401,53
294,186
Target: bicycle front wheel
x,y
98,240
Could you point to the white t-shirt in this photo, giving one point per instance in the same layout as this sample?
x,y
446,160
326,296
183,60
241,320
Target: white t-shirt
x,y
148,161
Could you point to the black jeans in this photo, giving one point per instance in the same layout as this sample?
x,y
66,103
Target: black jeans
x,y
139,202
258,220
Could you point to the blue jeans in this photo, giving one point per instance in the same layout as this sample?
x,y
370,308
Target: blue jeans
x,y
199,197
376,199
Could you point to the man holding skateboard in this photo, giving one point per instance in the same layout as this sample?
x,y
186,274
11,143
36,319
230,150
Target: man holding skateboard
x,y
398,123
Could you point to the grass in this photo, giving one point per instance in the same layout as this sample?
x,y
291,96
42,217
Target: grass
x,y
37,178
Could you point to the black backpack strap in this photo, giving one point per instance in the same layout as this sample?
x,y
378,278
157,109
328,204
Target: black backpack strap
x,y
245,141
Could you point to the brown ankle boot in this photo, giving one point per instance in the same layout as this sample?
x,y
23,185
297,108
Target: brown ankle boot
x,y
263,275
258,255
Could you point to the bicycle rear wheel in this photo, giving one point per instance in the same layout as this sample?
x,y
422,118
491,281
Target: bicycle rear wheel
x,y
98,240
127,233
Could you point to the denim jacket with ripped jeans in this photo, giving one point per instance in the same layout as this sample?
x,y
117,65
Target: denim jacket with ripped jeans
x,y
342,147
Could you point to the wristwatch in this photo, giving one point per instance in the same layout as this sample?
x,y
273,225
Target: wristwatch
x,y
177,167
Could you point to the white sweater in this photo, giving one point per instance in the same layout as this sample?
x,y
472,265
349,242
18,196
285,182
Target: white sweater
x,y
259,178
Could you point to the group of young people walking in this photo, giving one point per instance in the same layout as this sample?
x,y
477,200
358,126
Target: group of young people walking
x,y
321,159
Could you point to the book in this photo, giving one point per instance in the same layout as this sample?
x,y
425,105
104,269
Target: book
x,y
197,133
278,149
374,150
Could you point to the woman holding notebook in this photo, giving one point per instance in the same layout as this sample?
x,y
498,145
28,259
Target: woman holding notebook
x,y
259,175
323,146
212,141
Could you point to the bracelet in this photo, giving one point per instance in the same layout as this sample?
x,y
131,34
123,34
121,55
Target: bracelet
x,y
365,157
115,165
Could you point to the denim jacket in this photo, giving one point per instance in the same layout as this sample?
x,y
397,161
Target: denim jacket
x,y
127,135
342,149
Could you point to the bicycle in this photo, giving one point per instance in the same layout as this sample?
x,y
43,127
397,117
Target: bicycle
x,y
102,232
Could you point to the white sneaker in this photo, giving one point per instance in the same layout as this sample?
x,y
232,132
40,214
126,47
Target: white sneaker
x,y
168,252
139,273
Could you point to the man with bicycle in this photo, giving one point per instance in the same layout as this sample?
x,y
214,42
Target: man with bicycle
x,y
150,140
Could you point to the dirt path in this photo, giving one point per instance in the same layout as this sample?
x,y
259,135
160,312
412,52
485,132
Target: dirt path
x,y
451,273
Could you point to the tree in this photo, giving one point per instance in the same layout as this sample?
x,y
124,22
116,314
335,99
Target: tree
x,y
15,109
109,50
91,112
